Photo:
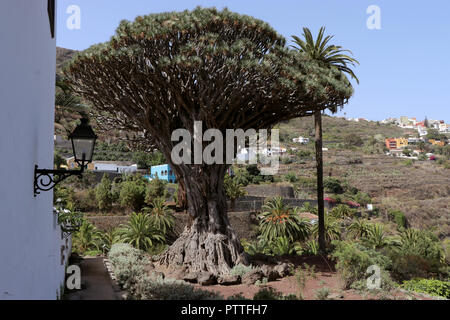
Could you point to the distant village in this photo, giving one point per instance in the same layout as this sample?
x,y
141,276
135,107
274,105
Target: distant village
x,y
411,145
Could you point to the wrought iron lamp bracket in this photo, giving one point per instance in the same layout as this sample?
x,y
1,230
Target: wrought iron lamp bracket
x,y
46,180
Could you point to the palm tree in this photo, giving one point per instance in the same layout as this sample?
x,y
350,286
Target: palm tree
x,y
233,189
279,220
332,56
65,99
160,215
140,232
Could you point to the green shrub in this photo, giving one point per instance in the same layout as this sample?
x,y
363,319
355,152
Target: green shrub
x,y
149,288
362,198
353,260
156,189
398,217
322,293
418,254
64,196
132,194
84,200
429,286
267,294
103,194
333,185
291,177
128,264
241,270
353,140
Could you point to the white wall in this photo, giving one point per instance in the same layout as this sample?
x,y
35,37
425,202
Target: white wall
x,y
30,239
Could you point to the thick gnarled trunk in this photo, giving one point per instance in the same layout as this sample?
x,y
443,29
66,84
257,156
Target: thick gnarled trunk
x,y
209,243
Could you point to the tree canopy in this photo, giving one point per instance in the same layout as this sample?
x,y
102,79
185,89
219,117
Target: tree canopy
x,y
162,71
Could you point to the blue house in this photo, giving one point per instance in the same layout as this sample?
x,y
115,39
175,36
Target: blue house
x,y
163,172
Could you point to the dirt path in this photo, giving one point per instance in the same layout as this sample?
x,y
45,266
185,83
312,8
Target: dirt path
x,y
96,283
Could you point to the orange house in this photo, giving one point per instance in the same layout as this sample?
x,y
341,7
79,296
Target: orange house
x,y
391,143
436,142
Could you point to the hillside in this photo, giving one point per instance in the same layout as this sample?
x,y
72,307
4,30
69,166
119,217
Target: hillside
x,y
335,129
62,56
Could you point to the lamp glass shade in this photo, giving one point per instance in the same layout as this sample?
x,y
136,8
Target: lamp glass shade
x,y
83,150
83,143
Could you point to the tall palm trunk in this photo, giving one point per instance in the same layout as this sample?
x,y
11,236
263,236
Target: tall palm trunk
x,y
319,163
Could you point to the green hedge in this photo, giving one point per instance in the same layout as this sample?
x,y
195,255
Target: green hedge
x,y
430,286
131,268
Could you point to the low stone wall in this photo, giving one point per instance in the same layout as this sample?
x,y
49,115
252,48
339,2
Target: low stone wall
x,y
271,190
244,223
254,203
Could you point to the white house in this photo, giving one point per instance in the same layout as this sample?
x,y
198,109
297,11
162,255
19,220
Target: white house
x,y
422,131
246,155
115,166
444,128
301,140
33,252
269,151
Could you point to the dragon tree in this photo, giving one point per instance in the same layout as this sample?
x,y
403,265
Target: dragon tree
x,y
166,71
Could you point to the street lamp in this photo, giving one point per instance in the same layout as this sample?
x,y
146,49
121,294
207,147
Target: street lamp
x,y
83,143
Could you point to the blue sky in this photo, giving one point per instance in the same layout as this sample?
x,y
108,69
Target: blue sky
x,y
404,67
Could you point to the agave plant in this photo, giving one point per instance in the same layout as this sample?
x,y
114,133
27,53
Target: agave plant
x,y
309,248
140,232
359,228
279,220
282,246
160,215
108,238
308,207
376,237
332,229
342,211
421,243
87,237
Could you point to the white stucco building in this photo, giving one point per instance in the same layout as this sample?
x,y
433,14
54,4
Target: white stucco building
x,y
115,166
301,140
33,253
